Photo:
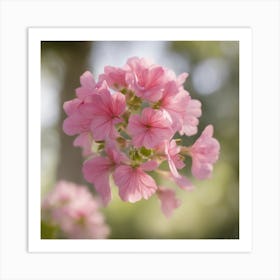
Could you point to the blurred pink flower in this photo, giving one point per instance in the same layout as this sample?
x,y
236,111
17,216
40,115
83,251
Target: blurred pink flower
x,y
168,200
150,129
75,211
133,183
204,153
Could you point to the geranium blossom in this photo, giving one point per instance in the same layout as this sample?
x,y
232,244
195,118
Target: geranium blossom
x,y
74,210
149,129
97,171
204,153
190,118
115,77
131,115
88,85
133,183
77,122
173,104
105,111
84,140
174,160
145,78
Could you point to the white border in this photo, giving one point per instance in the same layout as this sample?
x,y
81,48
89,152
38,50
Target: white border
x,y
243,35
264,259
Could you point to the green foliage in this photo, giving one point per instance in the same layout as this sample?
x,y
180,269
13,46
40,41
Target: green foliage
x,y
48,231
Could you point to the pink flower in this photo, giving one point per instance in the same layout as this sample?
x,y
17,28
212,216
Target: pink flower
x,y
136,122
88,85
104,112
178,106
190,119
171,151
134,184
168,201
174,160
149,165
145,79
71,106
204,153
150,129
173,104
84,140
180,80
76,122
97,171
115,77
75,211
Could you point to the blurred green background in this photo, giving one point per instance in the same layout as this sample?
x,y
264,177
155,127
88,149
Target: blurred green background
x,y
211,211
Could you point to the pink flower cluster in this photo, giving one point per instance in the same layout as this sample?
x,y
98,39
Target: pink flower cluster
x,y
73,209
126,122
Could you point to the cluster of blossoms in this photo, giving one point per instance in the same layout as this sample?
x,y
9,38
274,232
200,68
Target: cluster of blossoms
x,y
125,124
74,211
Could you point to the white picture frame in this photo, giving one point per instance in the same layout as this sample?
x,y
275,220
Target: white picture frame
x,y
261,259
243,36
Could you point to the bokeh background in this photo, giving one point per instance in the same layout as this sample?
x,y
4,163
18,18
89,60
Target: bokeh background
x,y
211,211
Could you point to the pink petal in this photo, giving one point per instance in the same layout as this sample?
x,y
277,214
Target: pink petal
x,y
115,77
71,106
135,125
172,150
208,131
182,78
168,200
87,80
84,140
75,124
102,128
204,153
149,130
106,110
133,183
145,79
88,85
96,171
193,112
201,170
115,155
174,102
183,182
149,165
118,104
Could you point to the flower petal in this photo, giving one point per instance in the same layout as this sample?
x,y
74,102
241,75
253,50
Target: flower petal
x,y
168,200
204,153
133,183
96,171
149,165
